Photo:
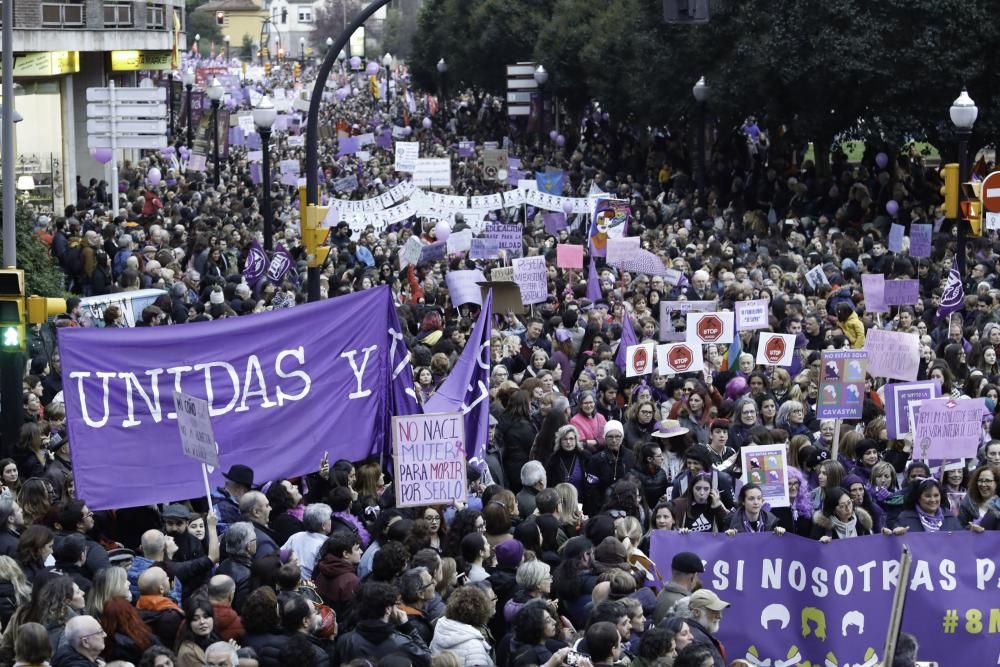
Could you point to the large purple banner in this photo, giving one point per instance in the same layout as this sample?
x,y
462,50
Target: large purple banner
x,y
829,604
284,387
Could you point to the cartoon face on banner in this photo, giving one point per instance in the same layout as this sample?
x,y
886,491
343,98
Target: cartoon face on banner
x,y
610,221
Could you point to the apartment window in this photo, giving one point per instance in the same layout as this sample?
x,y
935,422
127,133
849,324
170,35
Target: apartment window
x,y
118,15
305,14
58,15
156,17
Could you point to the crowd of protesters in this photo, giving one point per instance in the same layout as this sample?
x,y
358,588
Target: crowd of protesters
x,y
545,562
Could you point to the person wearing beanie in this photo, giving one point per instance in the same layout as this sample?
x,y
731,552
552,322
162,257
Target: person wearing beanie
x,y
608,465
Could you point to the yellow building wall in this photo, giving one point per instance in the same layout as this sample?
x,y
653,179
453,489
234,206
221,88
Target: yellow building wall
x,y
238,24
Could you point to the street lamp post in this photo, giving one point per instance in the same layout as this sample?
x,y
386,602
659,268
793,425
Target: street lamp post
x,y
215,92
170,103
700,92
387,64
302,51
264,115
189,85
442,68
963,114
541,78
225,40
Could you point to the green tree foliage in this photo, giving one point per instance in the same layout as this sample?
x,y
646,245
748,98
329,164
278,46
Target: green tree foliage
x,y
202,23
42,275
332,17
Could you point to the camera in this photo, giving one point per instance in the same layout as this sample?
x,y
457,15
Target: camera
x,y
572,658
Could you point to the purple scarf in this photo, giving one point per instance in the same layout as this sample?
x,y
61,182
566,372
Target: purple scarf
x,y
931,522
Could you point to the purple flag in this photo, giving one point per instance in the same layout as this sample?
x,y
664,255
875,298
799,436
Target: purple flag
x,y
803,602
281,262
466,389
256,173
253,142
284,387
628,338
953,298
384,139
554,222
593,283
348,146
256,264
466,148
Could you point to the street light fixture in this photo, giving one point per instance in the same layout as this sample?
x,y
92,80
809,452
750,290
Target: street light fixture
x,y
541,78
188,79
215,92
264,115
442,68
225,39
963,114
387,64
700,92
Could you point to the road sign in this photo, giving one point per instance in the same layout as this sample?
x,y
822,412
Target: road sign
x,y
991,192
127,141
127,110
127,94
139,126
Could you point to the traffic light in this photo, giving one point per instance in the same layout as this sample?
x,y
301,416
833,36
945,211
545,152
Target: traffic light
x,y
220,18
972,207
296,70
314,235
267,67
12,322
949,176
41,308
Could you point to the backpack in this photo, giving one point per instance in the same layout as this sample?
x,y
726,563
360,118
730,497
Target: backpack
x,y
73,259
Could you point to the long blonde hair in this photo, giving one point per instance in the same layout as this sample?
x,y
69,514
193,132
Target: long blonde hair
x,y
569,499
108,583
10,572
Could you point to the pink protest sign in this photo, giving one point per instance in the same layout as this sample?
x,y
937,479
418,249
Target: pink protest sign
x,y
569,256
948,428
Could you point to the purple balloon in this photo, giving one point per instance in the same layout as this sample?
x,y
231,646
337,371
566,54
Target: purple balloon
x,y
567,207
891,207
442,231
881,159
102,155
426,122
560,141
153,176
355,62
371,69
407,131
167,152
342,94
185,152
553,134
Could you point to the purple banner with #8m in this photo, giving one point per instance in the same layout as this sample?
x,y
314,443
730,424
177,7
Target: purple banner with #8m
x,y
842,384
829,604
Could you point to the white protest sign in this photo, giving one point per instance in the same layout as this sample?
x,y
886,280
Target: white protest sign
x,y
410,254
621,250
892,354
459,241
433,172
992,220
639,359
672,358
407,153
775,349
532,276
428,459
463,287
245,121
710,328
195,426
502,274
816,276
752,314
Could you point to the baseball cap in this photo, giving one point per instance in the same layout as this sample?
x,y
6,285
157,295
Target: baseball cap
x,y
706,599
687,562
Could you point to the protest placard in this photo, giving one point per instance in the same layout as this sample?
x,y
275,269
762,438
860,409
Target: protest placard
x,y
289,170
494,161
484,249
620,250
195,426
842,384
433,172
901,292
432,252
948,428
197,162
531,276
569,256
920,240
502,274
896,233
428,459
463,286
765,466
410,253
752,314
873,287
459,242
509,237
713,327
671,309
775,349
892,354
639,359
816,277
407,154
898,396
673,358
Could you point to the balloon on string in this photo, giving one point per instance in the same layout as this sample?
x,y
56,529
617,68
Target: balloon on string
x,y
185,152
560,141
892,207
426,122
881,159
102,155
553,134
355,62
153,176
442,231
371,69
342,94
567,207
167,152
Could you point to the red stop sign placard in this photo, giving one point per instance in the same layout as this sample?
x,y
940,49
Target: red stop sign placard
x,y
680,358
640,360
775,349
709,328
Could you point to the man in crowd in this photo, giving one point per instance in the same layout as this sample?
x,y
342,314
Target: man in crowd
x,y
706,617
416,589
306,543
83,643
160,613
221,591
377,633
256,509
226,499
76,517
11,524
684,570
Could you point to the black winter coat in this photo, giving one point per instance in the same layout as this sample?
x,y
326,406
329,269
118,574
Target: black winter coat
x,y
374,640
238,569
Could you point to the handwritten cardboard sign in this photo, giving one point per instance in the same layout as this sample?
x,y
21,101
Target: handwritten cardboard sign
x,y
428,459
484,249
898,396
948,428
892,354
873,287
532,276
407,153
752,314
901,292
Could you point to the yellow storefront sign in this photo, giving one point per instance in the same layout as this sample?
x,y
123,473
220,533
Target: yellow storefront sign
x,y
46,63
132,61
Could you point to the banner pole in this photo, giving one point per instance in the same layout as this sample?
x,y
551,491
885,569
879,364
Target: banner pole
x,y
208,489
835,449
898,602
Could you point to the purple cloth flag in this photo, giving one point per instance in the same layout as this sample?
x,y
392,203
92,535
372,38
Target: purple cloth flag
x,y
236,136
269,380
256,175
554,222
466,390
281,262
593,283
256,265
514,175
953,298
253,142
384,139
348,146
628,338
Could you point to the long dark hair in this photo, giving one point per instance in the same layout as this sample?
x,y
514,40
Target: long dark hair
x,y
567,585
193,604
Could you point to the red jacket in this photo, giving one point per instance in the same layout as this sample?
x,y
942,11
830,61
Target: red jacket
x,y
336,580
228,624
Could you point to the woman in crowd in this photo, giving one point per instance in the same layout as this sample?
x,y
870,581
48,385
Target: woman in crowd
x,y
10,477
197,632
14,589
981,499
128,636
515,434
589,422
923,510
570,461
840,518
33,549
797,518
108,584
750,515
462,629
700,508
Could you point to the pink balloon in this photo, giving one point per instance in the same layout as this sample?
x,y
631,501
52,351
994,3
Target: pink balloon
x,y
355,62
442,231
102,155
153,176
567,207
426,123
371,68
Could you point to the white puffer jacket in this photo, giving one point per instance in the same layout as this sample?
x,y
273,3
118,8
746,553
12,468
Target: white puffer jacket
x,y
464,641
